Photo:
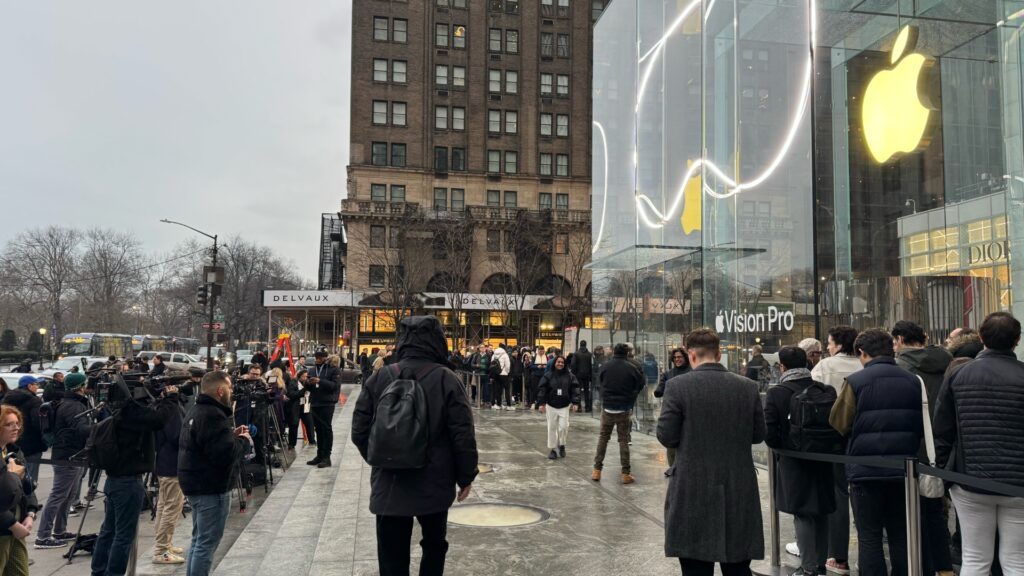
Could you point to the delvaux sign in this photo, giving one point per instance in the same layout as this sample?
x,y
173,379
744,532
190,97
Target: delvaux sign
x,y
431,300
310,298
503,302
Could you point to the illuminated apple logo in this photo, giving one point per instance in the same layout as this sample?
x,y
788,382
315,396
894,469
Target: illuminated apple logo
x,y
720,323
894,115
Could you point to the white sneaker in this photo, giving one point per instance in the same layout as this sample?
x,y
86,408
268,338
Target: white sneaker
x,y
793,549
495,407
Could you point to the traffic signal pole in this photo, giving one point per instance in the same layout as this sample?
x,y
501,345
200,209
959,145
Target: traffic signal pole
x,y
212,301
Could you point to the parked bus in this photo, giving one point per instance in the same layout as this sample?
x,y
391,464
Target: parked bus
x,y
150,343
95,344
186,345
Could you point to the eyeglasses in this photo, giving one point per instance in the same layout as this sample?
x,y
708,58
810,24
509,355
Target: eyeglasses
x,y
12,426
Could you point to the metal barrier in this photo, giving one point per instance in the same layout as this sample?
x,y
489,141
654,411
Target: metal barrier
x,y
911,470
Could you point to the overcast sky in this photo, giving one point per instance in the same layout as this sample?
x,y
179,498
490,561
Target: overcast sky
x,y
231,116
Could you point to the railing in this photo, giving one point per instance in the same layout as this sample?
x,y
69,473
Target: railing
x,y
380,208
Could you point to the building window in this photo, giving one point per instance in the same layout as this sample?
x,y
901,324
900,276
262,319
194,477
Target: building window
x,y
494,240
459,37
441,75
377,236
394,237
561,243
458,118
458,199
440,198
441,35
596,8
563,46
398,68
459,159
400,30
545,124
379,153
380,70
511,81
459,3
545,201
459,76
563,3
380,112
511,199
546,81
512,41
494,40
493,161
376,276
494,198
398,113
563,125
494,81
494,121
442,3
545,164
441,117
512,6
562,165
397,193
378,192
562,201
380,28
398,155
547,44
511,121
511,162
440,159
563,85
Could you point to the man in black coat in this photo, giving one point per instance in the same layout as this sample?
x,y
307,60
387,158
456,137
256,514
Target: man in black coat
x,y
805,488
26,400
396,496
171,499
622,379
323,385
582,367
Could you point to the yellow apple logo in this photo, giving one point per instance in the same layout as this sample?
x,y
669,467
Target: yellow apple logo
x,y
894,116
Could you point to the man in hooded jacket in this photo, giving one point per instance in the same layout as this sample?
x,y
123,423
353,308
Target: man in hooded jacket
x,y
396,496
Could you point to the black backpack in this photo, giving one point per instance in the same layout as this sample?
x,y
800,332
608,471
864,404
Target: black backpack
x,y
102,449
399,434
48,421
809,428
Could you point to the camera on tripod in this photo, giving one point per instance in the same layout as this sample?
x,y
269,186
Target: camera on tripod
x,y
256,389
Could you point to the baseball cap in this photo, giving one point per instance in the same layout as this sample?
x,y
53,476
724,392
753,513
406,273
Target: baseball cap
x,y
28,380
74,381
321,354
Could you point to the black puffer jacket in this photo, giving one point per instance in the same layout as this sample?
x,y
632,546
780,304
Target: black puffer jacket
x,y
325,392
558,389
452,452
622,379
171,416
979,413
208,449
72,432
28,404
582,364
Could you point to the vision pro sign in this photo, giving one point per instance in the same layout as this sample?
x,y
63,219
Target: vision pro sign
x,y
773,319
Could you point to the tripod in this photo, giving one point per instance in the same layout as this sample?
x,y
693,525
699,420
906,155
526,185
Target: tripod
x,y
269,427
80,543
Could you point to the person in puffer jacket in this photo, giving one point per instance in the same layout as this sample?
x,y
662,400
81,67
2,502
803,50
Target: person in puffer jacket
x,y
500,368
978,426
558,394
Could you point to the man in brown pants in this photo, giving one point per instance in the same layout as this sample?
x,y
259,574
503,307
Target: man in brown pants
x,y
621,381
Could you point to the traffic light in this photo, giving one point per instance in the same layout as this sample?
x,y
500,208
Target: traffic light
x,y
201,295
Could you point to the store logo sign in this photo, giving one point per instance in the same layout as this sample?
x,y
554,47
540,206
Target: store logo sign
x,y
774,320
986,253
893,115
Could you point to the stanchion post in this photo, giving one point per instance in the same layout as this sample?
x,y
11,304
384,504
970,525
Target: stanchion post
x,y
773,512
913,506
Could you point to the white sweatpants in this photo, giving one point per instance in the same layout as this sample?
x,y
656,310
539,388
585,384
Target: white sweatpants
x,y
558,426
980,515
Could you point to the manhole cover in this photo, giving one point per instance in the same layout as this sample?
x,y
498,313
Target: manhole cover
x,y
485,468
495,515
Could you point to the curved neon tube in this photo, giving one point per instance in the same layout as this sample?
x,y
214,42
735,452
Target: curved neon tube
x,y
604,203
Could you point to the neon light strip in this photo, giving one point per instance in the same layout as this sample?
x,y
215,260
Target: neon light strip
x,y
604,203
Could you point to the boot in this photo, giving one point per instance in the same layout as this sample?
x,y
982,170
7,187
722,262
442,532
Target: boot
x,y
628,479
325,463
595,475
561,451
553,455
314,461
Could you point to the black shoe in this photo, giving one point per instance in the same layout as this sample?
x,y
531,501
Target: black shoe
x,y
44,543
561,451
64,536
553,455
668,473
325,463
315,461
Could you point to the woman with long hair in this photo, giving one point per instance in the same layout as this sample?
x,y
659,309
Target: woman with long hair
x,y
557,395
18,505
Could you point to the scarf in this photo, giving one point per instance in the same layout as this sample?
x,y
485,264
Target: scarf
x,y
795,374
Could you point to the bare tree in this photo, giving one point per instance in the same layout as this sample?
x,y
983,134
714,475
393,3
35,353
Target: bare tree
x,y
108,276
452,244
42,262
525,262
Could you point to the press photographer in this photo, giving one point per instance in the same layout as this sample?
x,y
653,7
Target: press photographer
x,y
18,504
123,446
207,466
323,388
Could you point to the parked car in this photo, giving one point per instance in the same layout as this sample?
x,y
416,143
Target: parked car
x,y
66,363
175,360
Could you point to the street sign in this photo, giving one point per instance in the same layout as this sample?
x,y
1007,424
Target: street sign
x,y
218,318
214,326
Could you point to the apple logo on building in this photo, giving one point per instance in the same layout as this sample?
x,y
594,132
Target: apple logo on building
x,y
720,322
894,114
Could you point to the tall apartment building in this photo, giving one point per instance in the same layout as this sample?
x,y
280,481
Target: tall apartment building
x,y
470,140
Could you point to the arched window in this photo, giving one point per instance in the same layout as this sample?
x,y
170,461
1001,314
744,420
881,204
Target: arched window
x,y
499,283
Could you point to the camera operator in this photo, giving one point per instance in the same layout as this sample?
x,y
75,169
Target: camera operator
x,y
323,387
72,427
132,454
209,453
170,500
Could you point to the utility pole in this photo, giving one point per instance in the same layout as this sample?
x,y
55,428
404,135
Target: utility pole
x,y
213,277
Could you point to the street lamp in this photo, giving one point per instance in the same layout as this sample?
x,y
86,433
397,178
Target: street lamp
x,y
211,300
138,318
42,342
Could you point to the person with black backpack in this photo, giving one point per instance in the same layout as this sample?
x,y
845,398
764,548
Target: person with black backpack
x,y
412,423
796,413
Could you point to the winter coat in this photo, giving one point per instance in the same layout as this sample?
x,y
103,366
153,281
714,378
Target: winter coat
x,y
558,389
979,418
135,430
171,416
503,361
621,381
754,367
516,369
452,453
24,400
804,487
582,365
713,508
834,369
325,393
71,432
208,450
17,495
668,375
930,364
650,368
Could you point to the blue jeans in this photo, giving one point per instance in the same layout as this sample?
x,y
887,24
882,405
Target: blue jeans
x,y
209,514
123,504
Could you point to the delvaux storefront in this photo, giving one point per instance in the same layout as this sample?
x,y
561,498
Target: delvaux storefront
x,y
774,168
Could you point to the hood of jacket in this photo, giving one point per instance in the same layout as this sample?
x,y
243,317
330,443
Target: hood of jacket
x,y
927,360
499,352
422,338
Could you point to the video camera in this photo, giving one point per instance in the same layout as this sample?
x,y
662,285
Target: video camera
x,y
258,389
138,386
